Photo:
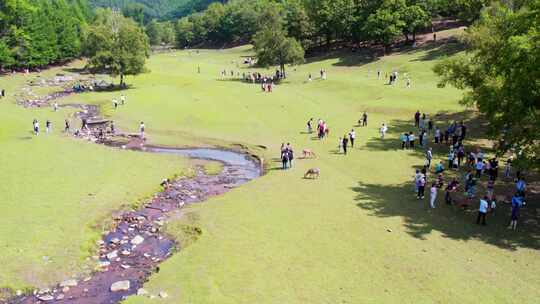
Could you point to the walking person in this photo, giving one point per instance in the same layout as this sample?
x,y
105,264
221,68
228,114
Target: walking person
x,y
123,99
364,119
421,183
66,126
352,137
142,127
55,106
310,126
383,130
284,159
429,157
417,118
35,125
482,211
340,144
290,155
433,195
517,202
345,144
115,103
48,126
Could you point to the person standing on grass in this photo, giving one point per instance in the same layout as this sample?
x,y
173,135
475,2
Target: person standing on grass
x,y
115,103
55,106
437,135
284,159
460,155
479,168
421,187
364,119
123,99
383,130
3,93
352,137
417,118
482,211
48,126
66,126
429,157
521,186
345,144
433,195
290,155
517,203
310,126
113,130
340,144
412,138
35,125
142,127
403,138
452,187
508,168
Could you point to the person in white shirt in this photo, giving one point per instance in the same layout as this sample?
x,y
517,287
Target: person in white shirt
x,y
352,137
141,129
429,157
123,99
433,195
482,211
383,130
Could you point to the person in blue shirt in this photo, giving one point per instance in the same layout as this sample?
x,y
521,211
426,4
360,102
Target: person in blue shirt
x,y
517,202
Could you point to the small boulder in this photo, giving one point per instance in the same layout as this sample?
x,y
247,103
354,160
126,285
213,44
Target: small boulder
x,y
137,240
46,298
120,286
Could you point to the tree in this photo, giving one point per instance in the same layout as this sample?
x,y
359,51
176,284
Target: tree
x,y
415,18
500,73
184,32
154,32
272,45
386,24
116,45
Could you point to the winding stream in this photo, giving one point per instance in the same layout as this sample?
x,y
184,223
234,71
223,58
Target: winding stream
x,y
133,250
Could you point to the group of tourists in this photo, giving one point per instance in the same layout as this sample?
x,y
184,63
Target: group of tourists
x,y
477,166
287,156
36,128
122,102
343,142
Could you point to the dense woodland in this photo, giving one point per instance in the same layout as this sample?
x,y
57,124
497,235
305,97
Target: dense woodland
x,y
35,33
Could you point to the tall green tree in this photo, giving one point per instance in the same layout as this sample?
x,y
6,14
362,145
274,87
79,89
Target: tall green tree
x,y
272,45
501,74
116,45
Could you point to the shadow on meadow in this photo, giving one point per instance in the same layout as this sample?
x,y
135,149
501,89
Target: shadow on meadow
x,y
476,127
452,222
437,50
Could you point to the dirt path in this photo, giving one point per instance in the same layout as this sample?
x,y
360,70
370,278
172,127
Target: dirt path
x,y
133,250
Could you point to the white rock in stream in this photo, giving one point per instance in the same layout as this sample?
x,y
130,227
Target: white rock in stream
x,y
120,286
69,283
46,298
137,240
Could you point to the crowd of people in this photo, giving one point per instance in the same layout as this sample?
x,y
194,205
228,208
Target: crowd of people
x,y
477,166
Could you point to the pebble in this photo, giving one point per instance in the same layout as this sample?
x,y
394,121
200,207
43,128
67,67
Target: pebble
x,y
46,298
137,240
120,286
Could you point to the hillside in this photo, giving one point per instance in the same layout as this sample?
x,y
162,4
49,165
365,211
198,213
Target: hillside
x,y
160,9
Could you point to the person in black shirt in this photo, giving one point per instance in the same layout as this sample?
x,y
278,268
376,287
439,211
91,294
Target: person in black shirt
x,y
417,119
345,144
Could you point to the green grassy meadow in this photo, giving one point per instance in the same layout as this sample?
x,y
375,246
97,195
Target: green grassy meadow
x,y
356,235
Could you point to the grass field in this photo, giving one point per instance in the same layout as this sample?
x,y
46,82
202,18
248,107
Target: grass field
x,y
356,235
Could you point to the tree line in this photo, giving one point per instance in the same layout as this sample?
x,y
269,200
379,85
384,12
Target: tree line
x,y
36,33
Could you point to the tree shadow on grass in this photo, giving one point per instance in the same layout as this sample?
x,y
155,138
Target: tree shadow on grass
x,y
436,50
347,58
453,222
476,127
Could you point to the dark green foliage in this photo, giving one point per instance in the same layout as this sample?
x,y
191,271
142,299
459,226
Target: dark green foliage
x,y
501,72
116,45
37,33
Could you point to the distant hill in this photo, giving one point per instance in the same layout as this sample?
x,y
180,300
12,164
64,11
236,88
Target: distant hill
x,y
160,9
